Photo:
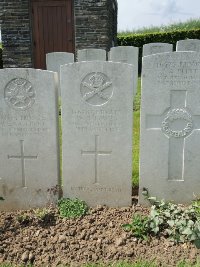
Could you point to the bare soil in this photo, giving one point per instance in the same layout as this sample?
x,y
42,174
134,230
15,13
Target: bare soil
x,y
96,238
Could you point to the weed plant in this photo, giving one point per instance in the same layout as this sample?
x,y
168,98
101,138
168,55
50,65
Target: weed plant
x,y
72,208
178,223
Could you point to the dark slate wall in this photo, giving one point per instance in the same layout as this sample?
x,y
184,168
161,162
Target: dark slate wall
x,y
96,23
95,27
16,37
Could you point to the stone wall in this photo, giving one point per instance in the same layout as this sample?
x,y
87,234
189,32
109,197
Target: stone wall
x,y
16,37
95,27
96,23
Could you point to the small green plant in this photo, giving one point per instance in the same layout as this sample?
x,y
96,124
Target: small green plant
x,y
139,226
1,198
196,206
23,219
72,208
43,215
178,223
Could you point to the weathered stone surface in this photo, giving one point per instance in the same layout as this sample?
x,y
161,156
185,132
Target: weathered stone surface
x,y
188,45
55,59
170,124
29,165
155,48
91,55
97,104
126,54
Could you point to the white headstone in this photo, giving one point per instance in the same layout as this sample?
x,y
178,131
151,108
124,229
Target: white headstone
x,y
29,165
91,54
188,45
170,126
126,54
97,111
155,48
55,59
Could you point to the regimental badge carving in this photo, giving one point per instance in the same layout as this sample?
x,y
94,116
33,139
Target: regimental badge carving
x,y
19,94
177,118
96,89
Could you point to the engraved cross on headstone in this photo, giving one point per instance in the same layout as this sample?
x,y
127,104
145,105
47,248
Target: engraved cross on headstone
x,y
177,123
96,153
22,157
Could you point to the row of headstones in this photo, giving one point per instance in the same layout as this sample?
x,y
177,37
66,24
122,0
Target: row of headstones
x,y
97,104
97,111
124,54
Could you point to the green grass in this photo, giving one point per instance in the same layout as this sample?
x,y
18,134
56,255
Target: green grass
x,y
136,135
124,264
60,143
141,264
119,264
187,25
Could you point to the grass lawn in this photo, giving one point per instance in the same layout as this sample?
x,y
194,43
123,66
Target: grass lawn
x,y
139,264
136,136
119,264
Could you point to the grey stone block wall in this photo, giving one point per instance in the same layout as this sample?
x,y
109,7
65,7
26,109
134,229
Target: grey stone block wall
x,y
15,29
96,23
95,27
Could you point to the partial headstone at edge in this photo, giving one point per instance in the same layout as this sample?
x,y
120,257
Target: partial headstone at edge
x,y
170,127
155,48
91,54
188,45
97,111
126,54
29,158
55,59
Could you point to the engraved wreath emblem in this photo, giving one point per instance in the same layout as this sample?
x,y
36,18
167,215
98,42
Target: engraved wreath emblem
x,y
96,89
174,115
19,94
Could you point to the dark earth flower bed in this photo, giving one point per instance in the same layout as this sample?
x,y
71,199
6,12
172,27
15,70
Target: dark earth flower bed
x,y
43,238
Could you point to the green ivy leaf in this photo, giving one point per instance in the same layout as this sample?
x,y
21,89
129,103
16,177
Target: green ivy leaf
x,y
187,231
197,243
127,227
167,214
169,232
190,223
171,223
156,230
